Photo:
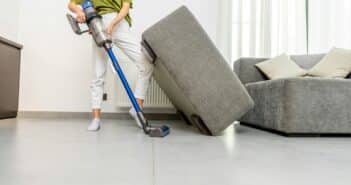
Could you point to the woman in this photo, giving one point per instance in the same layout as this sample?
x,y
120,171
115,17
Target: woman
x,y
115,16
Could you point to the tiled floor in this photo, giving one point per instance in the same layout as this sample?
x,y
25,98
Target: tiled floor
x,y
62,152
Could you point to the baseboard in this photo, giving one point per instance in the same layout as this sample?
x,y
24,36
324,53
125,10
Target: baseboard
x,y
87,115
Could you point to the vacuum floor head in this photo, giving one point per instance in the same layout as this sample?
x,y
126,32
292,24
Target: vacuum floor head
x,y
161,131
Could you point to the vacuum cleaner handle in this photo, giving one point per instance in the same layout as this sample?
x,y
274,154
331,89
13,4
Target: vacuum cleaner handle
x,y
75,25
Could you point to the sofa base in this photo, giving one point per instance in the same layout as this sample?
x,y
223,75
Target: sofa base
x,y
296,134
8,115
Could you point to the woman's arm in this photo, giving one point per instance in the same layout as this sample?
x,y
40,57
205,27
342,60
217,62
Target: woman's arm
x,y
77,10
121,15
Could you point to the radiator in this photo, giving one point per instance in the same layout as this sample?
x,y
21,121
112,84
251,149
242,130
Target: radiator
x,y
156,98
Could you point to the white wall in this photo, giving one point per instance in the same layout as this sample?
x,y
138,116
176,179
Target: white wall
x,y
9,19
56,64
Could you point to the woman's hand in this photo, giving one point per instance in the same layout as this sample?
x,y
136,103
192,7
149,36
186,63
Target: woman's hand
x,y
121,15
80,16
111,28
75,8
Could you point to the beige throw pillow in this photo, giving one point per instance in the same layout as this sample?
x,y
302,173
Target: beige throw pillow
x,y
336,64
281,67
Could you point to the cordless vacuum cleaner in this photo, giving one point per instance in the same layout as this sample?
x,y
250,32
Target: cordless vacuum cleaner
x,y
98,31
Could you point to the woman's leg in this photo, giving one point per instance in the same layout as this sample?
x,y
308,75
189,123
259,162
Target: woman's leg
x,y
132,48
124,39
97,86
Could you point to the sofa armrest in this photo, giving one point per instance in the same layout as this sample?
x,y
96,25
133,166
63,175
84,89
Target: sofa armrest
x,y
246,70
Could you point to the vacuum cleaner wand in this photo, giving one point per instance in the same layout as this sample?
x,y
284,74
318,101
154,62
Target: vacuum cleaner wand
x,y
102,39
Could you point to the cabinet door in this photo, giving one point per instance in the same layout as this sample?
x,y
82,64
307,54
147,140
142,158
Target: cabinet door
x,y
9,80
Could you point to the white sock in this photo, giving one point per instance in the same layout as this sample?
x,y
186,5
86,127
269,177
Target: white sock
x,y
133,113
94,125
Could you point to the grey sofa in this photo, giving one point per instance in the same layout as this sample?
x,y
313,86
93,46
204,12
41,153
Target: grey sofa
x,y
296,106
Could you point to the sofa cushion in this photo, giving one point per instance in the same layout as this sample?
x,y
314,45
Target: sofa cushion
x,y
281,67
336,64
194,74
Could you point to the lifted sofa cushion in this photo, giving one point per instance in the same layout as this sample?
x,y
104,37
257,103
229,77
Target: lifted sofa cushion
x,y
193,73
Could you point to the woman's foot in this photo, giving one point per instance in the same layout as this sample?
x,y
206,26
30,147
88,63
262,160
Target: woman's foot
x,y
94,125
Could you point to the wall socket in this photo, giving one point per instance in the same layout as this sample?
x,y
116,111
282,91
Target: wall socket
x,y
104,97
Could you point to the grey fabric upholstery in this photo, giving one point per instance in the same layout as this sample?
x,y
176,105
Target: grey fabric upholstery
x,y
307,61
193,73
246,70
299,105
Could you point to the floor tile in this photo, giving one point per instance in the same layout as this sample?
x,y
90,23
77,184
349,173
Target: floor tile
x,y
61,151
244,156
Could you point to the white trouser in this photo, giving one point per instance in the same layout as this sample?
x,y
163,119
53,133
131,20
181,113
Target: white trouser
x,y
123,39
